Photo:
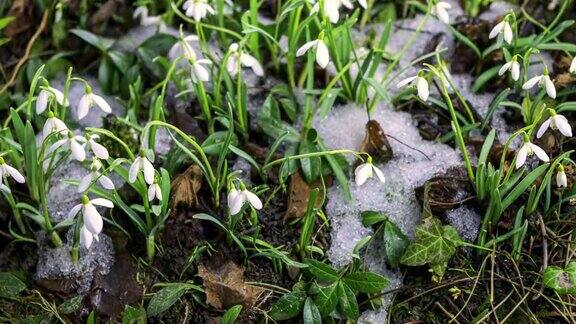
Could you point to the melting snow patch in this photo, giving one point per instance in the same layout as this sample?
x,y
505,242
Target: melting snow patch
x,y
466,221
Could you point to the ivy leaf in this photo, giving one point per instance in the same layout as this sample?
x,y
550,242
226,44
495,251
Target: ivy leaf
x,y
563,281
366,282
321,270
434,245
327,298
71,305
165,298
395,243
347,301
287,307
10,285
311,314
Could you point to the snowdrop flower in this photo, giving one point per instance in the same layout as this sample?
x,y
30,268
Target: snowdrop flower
x,y
72,143
46,94
572,68
330,9
53,125
141,163
183,48
561,180
513,66
154,191
90,100
420,83
9,171
237,57
543,81
527,150
145,20
363,4
90,215
198,71
86,238
99,151
198,9
367,170
104,181
440,11
555,121
502,28
237,198
322,52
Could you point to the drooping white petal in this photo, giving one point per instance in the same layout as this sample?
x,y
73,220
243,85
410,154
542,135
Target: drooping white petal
x,y
362,173
253,199
405,82
508,34
332,12
561,180
251,62
102,202
232,65
304,48
84,105
86,238
74,211
549,85
151,192
522,154
515,71
77,150
573,65
106,182
441,12
15,174
379,174
532,82
236,204
563,126
148,169
200,72
85,182
496,30
539,152
100,102
543,128
422,86
504,68
134,169
99,150
322,54
363,4
55,146
158,192
231,196
92,219
42,101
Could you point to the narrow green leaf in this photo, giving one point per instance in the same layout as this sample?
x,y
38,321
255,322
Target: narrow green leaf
x,y
230,316
165,298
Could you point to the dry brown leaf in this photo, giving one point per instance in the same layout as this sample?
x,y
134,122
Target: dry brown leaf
x,y
375,143
225,287
185,187
298,194
22,11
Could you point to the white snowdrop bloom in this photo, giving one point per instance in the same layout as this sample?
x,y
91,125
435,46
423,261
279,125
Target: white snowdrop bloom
x,y
363,4
72,143
182,48
440,10
53,125
90,215
146,20
141,163
94,174
47,94
7,171
238,57
198,71
237,198
504,28
86,238
154,191
321,51
543,81
555,121
330,9
561,180
527,150
198,9
513,66
572,68
98,149
90,100
420,83
365,171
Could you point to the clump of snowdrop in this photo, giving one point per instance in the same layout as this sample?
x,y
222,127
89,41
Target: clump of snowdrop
x,y
513,66
561,179
141,163
503,28
182,48
154,191
7,171
94,175
238,58
146,20
440,10
367,170
73,144
237,199
46,95
321,50
420,83
527,149
543,81
90,100
93,222
53,125
197,9
555,121
330,9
